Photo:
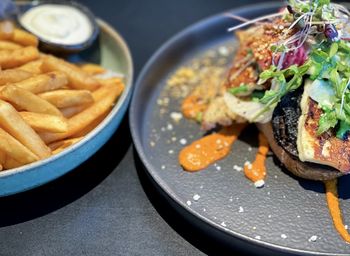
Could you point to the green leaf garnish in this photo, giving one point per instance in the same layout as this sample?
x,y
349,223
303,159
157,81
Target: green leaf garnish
x,y
237,90
327,120
333,50
343,130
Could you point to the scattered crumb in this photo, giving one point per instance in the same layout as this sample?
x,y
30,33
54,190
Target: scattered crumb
x,y
259,183
163,129
166,101
258,237
284,196
313,238
269,216
284,236
248,164
223,51
218,167
231,199
169,127
198,146
298,216
268,192
346,226
250,149
183,141
237,168
196,197
275,176
201,187
174,139
254,228
152,143
171,151
163,167
241,209
223,224
176,116
188,203
204,210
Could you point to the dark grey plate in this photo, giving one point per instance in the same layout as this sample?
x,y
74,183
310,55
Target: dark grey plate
x,y
283,215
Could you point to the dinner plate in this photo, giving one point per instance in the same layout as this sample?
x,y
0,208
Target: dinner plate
x,y
287,216
111,52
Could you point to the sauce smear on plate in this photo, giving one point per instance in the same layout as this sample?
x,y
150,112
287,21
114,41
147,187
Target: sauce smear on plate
x,y
256,171
334,209
209,149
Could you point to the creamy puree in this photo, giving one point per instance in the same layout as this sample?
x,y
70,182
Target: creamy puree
x,y
56,23
334,208
209,149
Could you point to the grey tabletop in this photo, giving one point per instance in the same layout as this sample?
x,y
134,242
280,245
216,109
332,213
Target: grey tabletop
x,y
108,205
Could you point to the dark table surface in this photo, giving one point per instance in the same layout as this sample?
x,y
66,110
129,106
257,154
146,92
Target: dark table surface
x,y
108,205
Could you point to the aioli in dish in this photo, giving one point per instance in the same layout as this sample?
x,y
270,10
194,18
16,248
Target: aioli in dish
x,y
56,23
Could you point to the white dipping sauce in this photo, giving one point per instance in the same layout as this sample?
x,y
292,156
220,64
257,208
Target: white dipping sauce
x,y
57,23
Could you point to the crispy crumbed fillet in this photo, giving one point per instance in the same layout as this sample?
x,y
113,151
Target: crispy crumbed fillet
x,y
219,113
324,149
254,54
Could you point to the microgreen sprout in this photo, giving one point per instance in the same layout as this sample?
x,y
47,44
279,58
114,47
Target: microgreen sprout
x,y
316,34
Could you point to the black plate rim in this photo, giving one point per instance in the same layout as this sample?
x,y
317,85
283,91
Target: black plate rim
x,y
137,138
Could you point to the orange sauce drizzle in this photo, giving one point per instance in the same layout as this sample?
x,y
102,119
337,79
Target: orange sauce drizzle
x,y
209,149
334,209
256,172
192,106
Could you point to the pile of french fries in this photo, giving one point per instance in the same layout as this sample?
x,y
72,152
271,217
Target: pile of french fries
x,y
46,103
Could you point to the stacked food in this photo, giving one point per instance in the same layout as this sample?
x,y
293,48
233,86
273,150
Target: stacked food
x,y
291,77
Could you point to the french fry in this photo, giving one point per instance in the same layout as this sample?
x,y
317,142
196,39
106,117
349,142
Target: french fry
x,y
24,38
13,123
45,123
112,80
44,82
71,111
7,45
2,160
11,163
33,67
98,95
81,120
27,100
15,58
77,78
106,86
13,75
68,98
93,69
109,84
14,149
91,126
59,146
6,30
60,102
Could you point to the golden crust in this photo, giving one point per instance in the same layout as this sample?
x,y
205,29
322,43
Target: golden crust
x,y
325,149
